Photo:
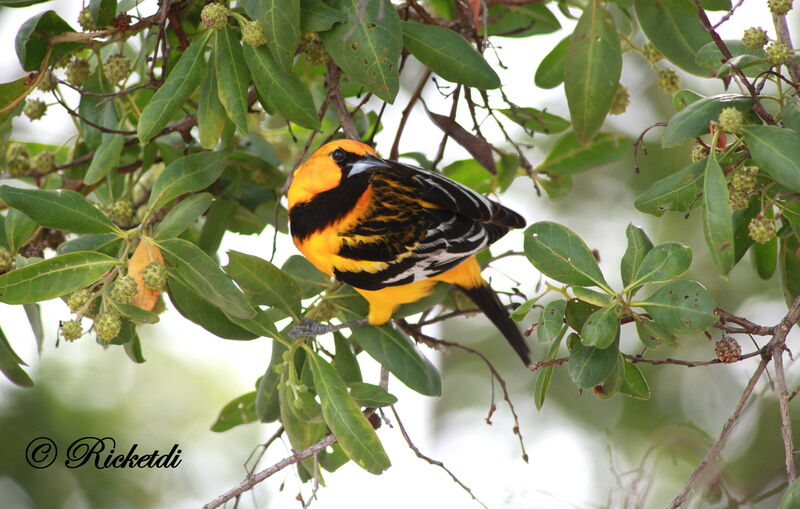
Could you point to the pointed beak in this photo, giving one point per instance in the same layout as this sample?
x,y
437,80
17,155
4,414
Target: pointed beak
x,y
367,163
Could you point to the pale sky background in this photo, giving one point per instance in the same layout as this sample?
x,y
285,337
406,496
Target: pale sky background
x,y
486,458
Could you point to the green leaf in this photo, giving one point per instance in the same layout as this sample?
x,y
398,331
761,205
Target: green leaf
x,y
577,312
550,72
790,267
8,93
217,222
683,98
790,116
345,361
20,3
367,47
692,121
633,383
208,316
765,255
34,314
371,396
651,335
261,324
681,307
133,349
283,91
679,192
136,314
264,283
662,263
521,312
716,5
183,215
232,76
317,16
103,11
449,55
310,281
61,209
179,84
560,254
777,152
536,121
211,115
301,434
281,20
394,351
19,228
32,40
187,174
601,328
520,20
591,79
666,24
639,244
106,158
545,375
592,297
717,222
741,233
351,429
589,366
710,57
241,410
53,277
569,156
106,243
551,321
205,277
267,404
791,497
10,364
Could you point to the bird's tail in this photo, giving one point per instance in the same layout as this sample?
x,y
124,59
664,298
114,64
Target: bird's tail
x,y
487,301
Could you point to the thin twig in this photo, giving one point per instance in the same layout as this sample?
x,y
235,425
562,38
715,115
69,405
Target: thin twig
x,y
786,420
251,481
395,152
335,93
431,460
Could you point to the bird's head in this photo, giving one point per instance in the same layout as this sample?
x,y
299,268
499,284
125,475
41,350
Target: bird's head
x,y
329,166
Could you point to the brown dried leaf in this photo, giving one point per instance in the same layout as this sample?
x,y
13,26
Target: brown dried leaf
x,y
478,148
145,253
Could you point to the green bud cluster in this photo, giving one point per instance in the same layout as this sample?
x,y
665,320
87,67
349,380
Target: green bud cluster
x,y
761,229
122,212
777,53
313,51
650,52
214,16
71,330
85,20
621,100
124,289
107,325
78,299
253,33
779,7
34,109
730,120
155,276
755,38
77,71
117,68
699,152
6,260
44,162
668,81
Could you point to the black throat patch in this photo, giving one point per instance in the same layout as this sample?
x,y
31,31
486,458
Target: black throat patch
x,y
327,207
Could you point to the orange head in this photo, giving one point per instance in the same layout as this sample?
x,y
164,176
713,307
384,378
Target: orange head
x,y
324,169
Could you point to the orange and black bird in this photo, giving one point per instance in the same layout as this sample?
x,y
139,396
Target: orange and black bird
x,y
392,231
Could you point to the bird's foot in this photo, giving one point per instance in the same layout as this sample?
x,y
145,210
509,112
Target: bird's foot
x,y
310,328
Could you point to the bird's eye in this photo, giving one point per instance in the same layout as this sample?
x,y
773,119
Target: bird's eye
x,y
338,155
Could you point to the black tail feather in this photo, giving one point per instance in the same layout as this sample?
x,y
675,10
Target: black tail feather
x,y
487,301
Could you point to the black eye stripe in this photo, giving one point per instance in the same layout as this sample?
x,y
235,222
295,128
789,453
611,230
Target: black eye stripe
x,y
338,155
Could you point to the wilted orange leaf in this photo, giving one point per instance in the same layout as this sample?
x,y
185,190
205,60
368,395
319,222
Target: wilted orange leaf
x,y
144,255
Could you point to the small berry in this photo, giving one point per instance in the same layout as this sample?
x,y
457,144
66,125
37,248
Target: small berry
x,y
302,388
86,21
155,276
18,167
107,325
117,68
298,403
44,162
253,33
78,71
755,38
730,120
71,330
78,299
122,212
124,289
6,260
777,53
737,199
699,152
728,350
122,21
49,82
779,7
313,51
651,53
34,109
621,100
668,81
761,229
744,180
214,16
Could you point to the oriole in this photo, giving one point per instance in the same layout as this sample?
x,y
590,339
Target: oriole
x,y
392,230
